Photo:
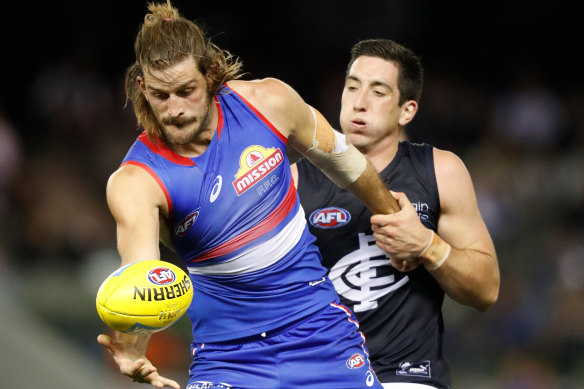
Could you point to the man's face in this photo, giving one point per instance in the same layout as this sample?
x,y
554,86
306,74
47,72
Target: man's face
x,y
180,99
369,105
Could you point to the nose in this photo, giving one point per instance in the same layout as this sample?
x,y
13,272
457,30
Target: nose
x,y
175,106
360,102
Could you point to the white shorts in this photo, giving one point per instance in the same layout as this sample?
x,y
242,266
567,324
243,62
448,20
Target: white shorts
x,y
404,385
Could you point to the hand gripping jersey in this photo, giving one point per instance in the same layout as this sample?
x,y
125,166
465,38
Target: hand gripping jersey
x,y
236,221
400,313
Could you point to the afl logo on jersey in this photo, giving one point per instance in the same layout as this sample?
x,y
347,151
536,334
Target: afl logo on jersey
x,y
331,217
356,361
185,225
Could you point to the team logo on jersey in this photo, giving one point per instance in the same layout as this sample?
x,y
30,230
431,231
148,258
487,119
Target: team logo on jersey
x,y
417,369
255,163
365,275
356,361
185,225
161,276
331,217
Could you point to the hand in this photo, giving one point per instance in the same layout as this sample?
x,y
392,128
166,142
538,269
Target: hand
x,y
133,363
401,235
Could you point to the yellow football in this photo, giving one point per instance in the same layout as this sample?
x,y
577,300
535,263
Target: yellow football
x,y
144,297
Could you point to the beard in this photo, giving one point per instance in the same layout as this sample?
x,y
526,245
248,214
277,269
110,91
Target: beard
x,y
188,128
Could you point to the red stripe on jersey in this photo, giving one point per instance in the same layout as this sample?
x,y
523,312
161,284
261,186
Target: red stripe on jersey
x,y
158,180
263,227
161,149
219,117
263,118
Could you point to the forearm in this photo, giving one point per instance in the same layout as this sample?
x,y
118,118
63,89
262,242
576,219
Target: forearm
x,y
468,276
372,191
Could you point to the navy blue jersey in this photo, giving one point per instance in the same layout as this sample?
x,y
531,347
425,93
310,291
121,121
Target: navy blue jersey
x,y
400,313
236,222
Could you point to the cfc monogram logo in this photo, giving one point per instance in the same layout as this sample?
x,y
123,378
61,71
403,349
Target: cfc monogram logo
x,y
356,277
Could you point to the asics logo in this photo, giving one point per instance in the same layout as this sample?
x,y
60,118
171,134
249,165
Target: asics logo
x,y
217,184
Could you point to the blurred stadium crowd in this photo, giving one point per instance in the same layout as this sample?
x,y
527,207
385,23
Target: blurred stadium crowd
x,y
510,104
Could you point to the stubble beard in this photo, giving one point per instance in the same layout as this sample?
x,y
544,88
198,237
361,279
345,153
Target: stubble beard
x,y
186,135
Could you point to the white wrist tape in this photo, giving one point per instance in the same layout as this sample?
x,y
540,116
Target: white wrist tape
x,y
436,251
442,260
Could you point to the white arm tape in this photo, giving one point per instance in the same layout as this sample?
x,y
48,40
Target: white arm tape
x,y
343,168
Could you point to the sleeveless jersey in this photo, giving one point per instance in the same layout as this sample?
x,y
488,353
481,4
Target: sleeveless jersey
x,y
400,313
237,224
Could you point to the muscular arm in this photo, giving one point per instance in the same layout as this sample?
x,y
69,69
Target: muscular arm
x,y
135,201
470,275
295,119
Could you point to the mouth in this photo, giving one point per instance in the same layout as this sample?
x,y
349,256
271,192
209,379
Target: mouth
x,y
179,122
358,124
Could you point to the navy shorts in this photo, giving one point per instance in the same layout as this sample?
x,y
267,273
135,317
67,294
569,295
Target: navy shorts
x,y
325,350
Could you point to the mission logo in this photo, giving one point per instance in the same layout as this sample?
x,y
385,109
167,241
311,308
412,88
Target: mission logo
x,y
331,217
255,163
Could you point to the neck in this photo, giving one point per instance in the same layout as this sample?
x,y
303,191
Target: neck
x,y
382,153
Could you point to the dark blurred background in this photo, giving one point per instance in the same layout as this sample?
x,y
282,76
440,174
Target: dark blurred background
x,y
504,90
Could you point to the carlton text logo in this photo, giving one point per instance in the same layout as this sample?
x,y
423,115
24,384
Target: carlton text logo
x,y
356,361
331,217
255,163
161,276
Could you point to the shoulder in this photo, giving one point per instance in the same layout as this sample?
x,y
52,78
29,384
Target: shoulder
x,y
262,90
447,162
275,99
132,185
454,181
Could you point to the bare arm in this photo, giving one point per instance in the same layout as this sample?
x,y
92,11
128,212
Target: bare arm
x,y
470,272
470,275
135,201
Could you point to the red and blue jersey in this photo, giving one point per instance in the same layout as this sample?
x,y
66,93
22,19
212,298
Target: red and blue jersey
x,y
236,221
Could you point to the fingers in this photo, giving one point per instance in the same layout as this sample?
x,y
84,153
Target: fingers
x,y
106,342
402,199
140,370
405,265
162,382
380,220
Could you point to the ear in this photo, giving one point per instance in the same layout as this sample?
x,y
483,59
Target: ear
x,y
142,86
408,111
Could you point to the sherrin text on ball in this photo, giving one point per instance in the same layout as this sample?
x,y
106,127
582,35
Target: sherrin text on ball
x,y
144,297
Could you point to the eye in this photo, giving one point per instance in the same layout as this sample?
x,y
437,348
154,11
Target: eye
x,y
160,95
185,92
379,93
351,88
